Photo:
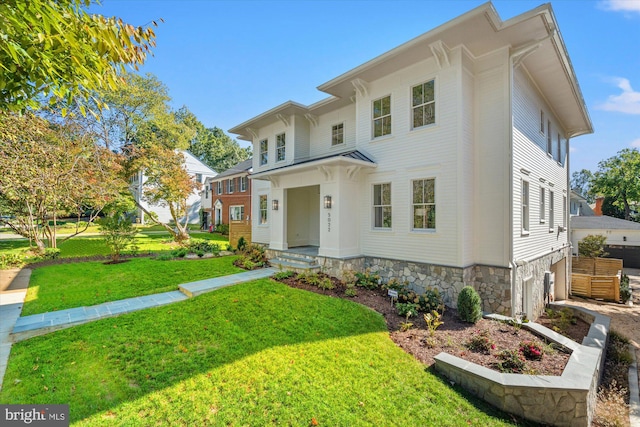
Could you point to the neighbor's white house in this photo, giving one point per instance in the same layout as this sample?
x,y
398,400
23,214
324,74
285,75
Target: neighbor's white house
x,y
198,170
443,162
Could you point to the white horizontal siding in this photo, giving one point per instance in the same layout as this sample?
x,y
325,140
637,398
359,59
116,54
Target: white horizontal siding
x,y
321,134
531,162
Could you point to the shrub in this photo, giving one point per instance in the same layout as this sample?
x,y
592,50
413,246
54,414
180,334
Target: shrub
x,y
433,321
368,280
179,253
255,255
592,246
427,302
223,229
10,261
531,350
350,291
326,283
625,290
242,244
407,309
200,253
286,274
510,361
164,257
469,305
51,253
118,233
201,245
480,342
310,279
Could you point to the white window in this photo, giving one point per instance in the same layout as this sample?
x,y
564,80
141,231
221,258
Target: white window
x,y
337,134
263,209
231,185
236,213
525,206
382,116
199,177
423,104
280,147
243,183
264,152
551,213
559,149
219,185
424,204
382,205
549,138
543,209
206,192
542,122
564,213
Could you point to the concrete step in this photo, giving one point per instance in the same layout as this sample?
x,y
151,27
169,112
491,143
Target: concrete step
x,y
298,267
298,258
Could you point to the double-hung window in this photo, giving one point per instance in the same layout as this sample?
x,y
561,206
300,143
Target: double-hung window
x,y
525,206
424,204
280,147
559,148
337,134
549,139
231,185
382,116
543,209
551,213
423,104
219,185
236,213
382,205
264,152
263,209
564,213
243,184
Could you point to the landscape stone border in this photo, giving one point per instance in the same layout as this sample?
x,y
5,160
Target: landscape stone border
x,y
566,400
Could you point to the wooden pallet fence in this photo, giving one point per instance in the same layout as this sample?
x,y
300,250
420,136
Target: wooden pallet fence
x,y
597,287
239,229
596,266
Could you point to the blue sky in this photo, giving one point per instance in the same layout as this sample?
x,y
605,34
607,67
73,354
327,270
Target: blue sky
x,y
228,61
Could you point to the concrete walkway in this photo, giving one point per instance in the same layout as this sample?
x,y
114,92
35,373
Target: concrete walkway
x,y
14,328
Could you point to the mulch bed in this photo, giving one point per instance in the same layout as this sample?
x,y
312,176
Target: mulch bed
x,y
451,336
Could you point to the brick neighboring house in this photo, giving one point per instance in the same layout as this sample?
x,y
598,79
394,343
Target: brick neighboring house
x,y
230,195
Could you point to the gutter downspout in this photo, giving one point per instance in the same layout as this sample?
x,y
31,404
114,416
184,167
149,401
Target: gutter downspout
x,y
515,59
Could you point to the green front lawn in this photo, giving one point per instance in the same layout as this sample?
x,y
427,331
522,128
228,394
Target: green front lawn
x,y
94,245
256,354
62,286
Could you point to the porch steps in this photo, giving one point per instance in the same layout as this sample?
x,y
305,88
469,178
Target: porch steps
x,y
299,263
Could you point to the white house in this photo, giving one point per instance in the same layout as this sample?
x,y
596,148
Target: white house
x,y
443,162
198,170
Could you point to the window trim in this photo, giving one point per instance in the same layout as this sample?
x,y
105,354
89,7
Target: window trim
x,y
559,149
243,184
261,210
525,207
543,205
241,212
412,107
373,119
551,211
564,212
281,137
264,155
339,144
549,139
413,204
382,206
231,185
219,187
542,122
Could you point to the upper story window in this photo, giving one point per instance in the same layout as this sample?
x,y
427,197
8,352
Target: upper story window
x,y
243,183
337,134
564,213
206,192
551,212
549,138
525,206
264,152
423,104
280,147
219,185
424,204
231,185
382,116
543,209
559,149
382,205
263,209
199,177
542,122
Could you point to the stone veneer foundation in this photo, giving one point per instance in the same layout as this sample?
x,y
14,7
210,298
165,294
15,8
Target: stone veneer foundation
x,y
566,400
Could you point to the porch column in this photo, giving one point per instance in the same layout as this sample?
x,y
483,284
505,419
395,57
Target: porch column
x,y
340,225
278,219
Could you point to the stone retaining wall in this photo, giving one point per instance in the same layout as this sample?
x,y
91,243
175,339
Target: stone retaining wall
x,y
567,400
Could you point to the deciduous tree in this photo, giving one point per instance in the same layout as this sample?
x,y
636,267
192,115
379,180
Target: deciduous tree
x,y
619,178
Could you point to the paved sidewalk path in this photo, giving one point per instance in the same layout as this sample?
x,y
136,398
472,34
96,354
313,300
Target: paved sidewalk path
x,y
14,328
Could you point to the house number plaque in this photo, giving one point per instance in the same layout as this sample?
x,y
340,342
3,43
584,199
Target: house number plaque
x,y
329,221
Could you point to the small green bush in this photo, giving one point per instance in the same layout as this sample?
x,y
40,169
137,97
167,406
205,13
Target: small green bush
x,y
326,283
252,257
51,253
368,280
10,261
407,309
351,291
180,252
164,257
242,244
469,305
481,342
510,361
222,229
592,246
286,274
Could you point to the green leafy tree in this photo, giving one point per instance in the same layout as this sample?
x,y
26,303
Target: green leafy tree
x,y
619,178
592,246
51,169
211,145
57,49
610,209
117,231
581,183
